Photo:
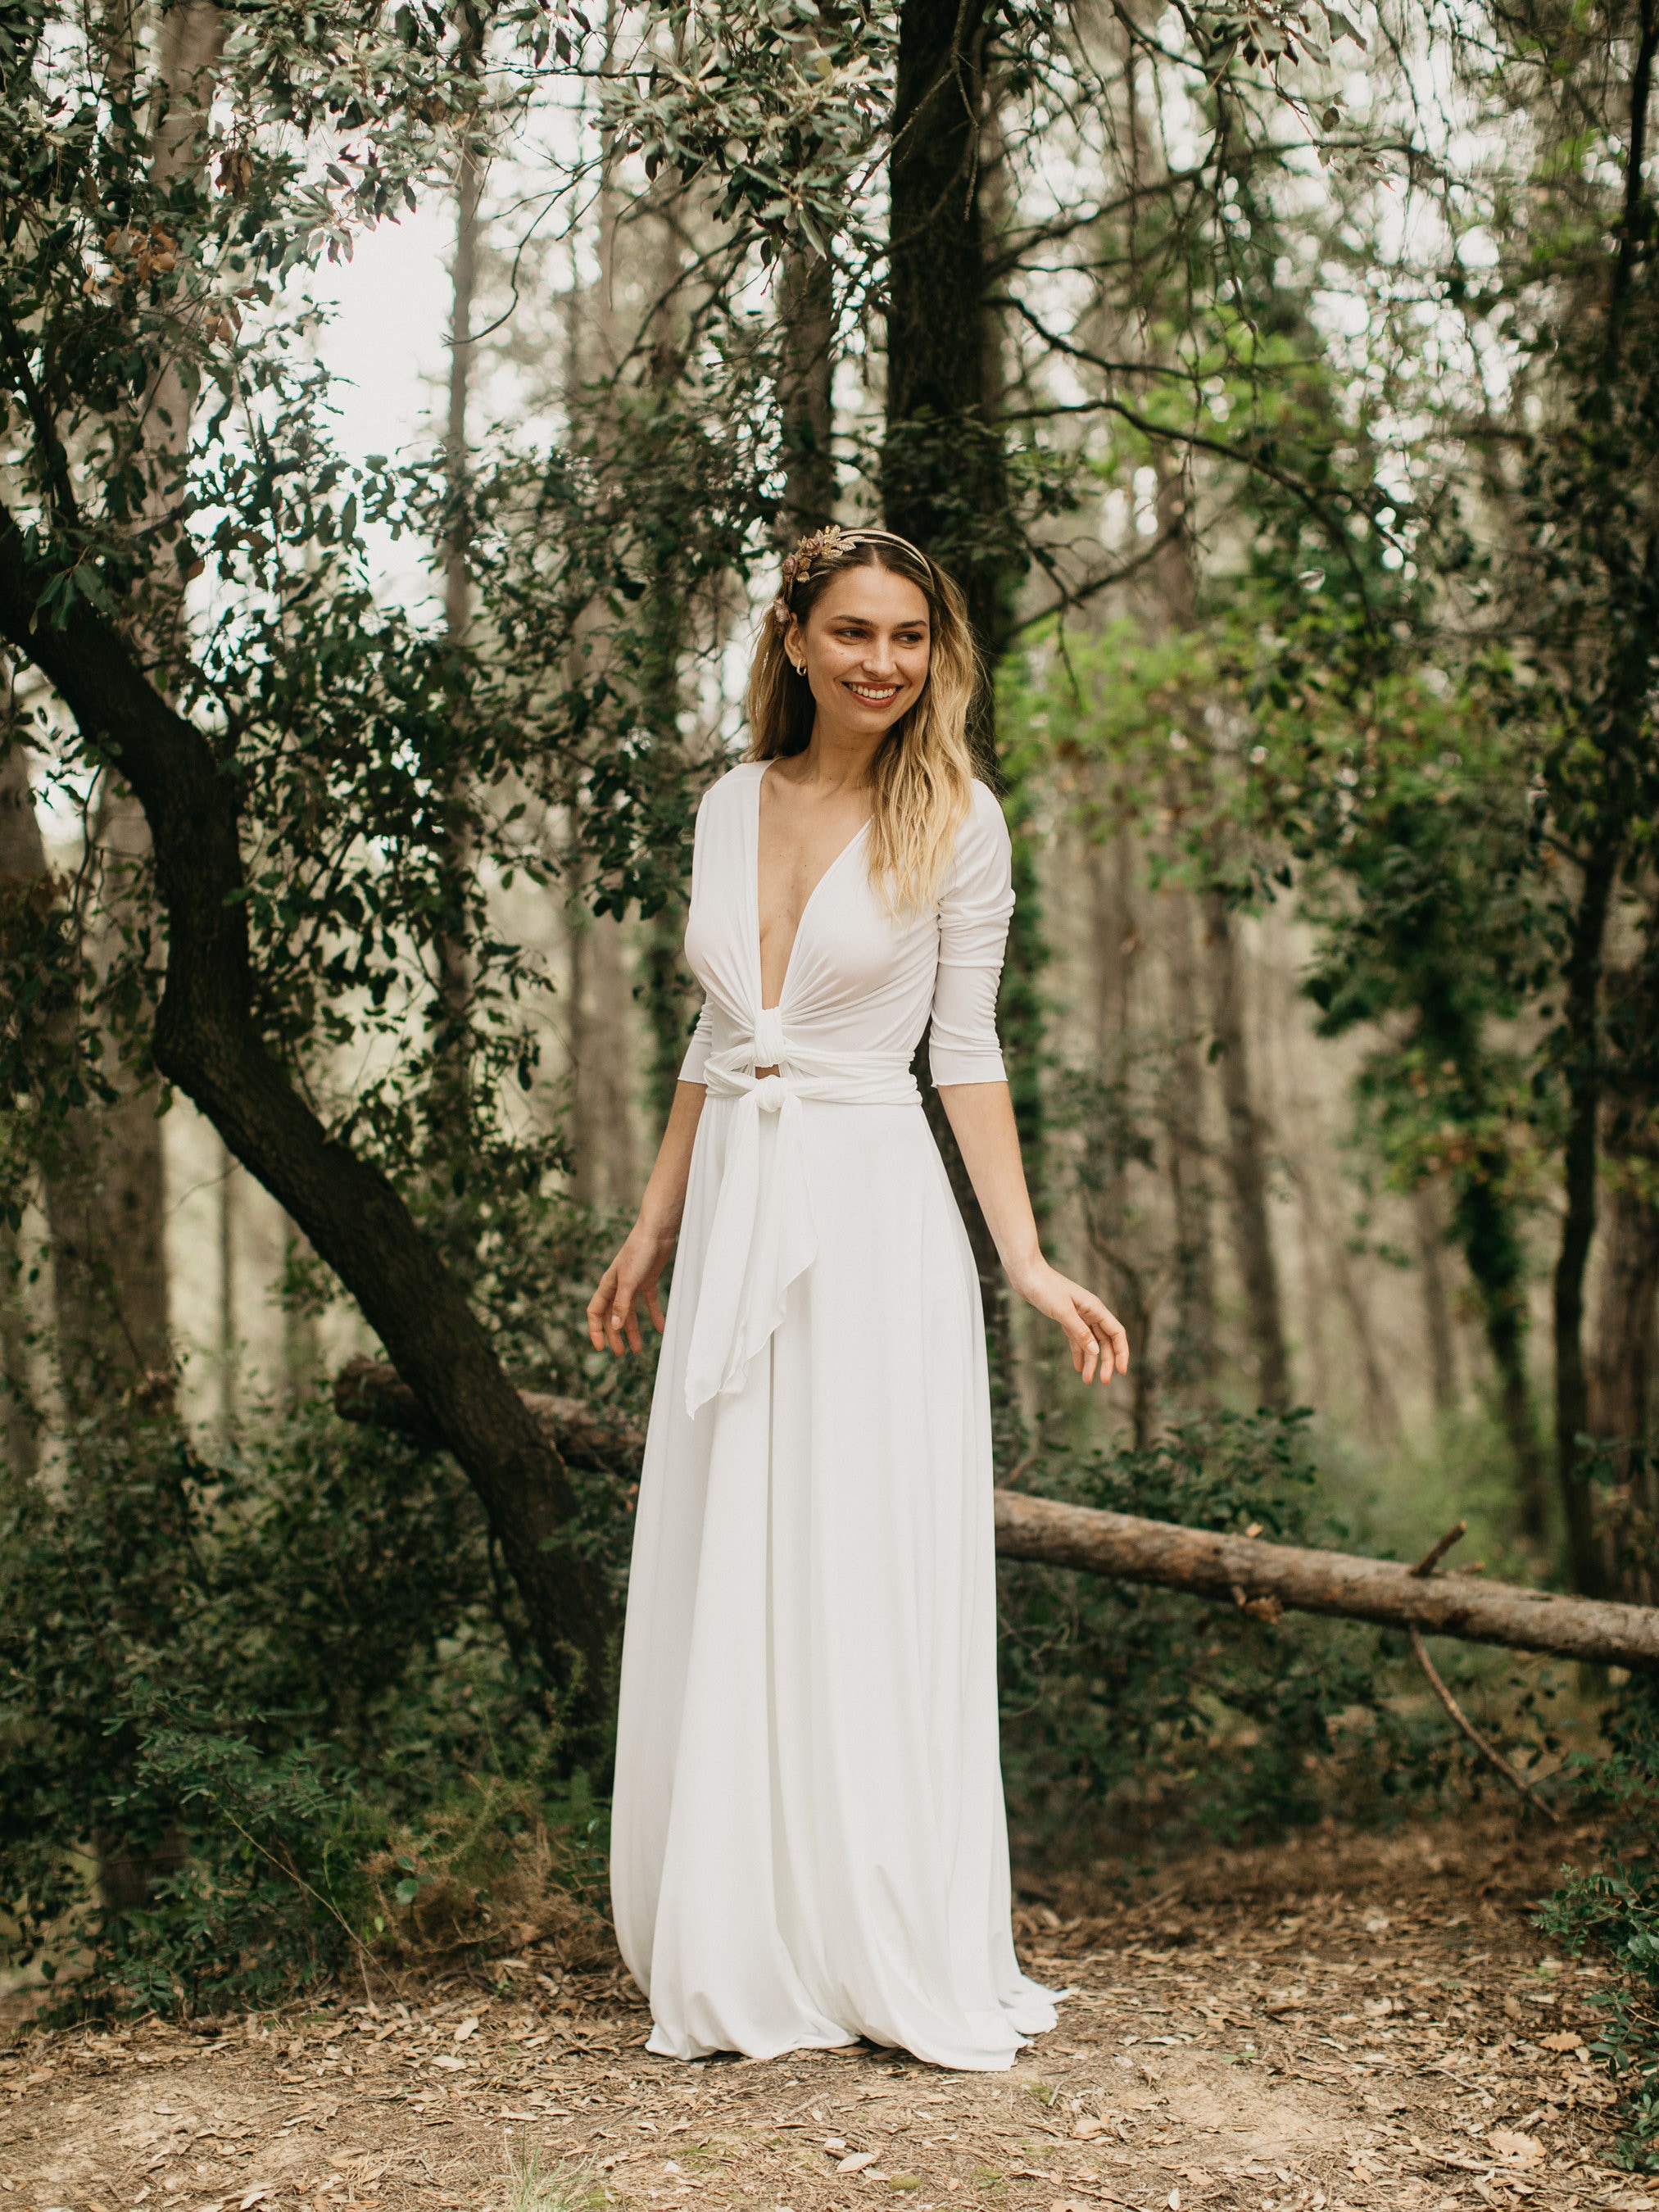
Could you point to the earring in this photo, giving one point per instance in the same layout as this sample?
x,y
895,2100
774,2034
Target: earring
x,y
799,667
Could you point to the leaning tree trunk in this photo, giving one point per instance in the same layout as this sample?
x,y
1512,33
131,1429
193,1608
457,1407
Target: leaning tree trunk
x,y
207,1042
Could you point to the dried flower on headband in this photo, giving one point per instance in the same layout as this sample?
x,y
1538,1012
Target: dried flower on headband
x,y
826,546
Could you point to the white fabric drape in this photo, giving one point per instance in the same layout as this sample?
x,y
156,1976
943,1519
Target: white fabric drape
x,y
808,1843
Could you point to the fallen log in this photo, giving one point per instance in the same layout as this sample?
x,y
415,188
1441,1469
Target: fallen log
x,y
1269,1578
1264,1579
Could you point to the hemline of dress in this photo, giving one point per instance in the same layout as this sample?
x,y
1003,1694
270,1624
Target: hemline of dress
x,y
1031,2015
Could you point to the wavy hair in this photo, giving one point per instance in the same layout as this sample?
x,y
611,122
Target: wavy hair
x,y
924,772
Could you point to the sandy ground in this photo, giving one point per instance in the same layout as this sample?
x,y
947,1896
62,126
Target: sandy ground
x,y
1338,2022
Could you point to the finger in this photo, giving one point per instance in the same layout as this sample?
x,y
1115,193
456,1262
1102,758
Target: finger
x,y
653,1306
598,1306
1114,1337
634,1336
622,1322
609,1304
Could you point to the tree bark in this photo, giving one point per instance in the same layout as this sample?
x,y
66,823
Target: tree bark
x,y
206,1041
1190,1360
447,1102
943,481
1265,1579
1246,1170
1438,1340
103,1178
1586,1560
807,312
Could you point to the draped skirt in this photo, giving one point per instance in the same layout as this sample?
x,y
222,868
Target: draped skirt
x,y
809,1840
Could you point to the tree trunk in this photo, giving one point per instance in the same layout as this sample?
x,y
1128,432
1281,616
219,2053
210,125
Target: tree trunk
x,y
1484,1223
943,482
103,1173
1246,1169
230,1349
806,315
1621,1409
1581,1015
20,855
206,1041
302,1350
1439,1340
1190,1360
1621,1376
599,1045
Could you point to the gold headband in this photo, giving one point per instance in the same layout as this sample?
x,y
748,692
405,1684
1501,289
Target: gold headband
x,y
828,547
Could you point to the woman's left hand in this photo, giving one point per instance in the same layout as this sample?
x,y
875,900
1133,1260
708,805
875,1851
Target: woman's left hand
x,y
1099,1342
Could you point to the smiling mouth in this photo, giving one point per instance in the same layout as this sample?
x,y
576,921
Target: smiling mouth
x,y
876,695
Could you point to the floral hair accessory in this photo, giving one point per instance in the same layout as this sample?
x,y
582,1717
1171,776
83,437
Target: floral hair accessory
x,y
826,546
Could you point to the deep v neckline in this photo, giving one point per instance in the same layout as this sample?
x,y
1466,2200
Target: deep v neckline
x,y
806,907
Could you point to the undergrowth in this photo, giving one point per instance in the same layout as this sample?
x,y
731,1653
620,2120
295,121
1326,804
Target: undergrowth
x,y
1140,1720
270,1720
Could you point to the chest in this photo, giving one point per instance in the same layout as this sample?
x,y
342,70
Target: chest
x,y
798,841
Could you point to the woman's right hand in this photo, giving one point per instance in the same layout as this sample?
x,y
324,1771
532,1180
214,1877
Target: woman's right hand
x,y
613,1309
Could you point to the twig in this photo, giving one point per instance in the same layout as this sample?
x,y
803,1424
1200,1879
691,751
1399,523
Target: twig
x,y
1431,1558
1516,1780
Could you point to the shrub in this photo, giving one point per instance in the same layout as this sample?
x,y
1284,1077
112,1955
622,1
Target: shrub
x,y
1613,1911
1127,1708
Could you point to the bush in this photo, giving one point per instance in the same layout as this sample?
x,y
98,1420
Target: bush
x,y
1613,1912
1126,1708
243,1693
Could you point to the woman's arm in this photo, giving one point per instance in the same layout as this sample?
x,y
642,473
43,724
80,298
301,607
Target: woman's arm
x,y
981,1115
613,1310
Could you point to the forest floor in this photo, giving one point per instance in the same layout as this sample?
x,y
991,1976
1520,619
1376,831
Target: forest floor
x,y
1341,2020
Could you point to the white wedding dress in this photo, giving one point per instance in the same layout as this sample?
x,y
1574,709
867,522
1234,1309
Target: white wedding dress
x,y
809,1842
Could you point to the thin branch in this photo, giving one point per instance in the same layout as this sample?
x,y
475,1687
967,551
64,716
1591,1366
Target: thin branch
x,y
1487,1750
1431,1558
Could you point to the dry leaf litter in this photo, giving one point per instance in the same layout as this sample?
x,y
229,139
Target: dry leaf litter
x,y
1333,2023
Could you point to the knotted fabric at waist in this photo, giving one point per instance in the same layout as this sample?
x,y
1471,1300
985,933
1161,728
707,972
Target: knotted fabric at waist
x,y
763,1235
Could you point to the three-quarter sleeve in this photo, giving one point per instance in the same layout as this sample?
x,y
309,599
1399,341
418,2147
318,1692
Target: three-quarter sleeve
x,y
703,1038
973,928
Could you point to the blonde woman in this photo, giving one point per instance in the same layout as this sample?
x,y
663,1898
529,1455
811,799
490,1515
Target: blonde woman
x,y
809,1841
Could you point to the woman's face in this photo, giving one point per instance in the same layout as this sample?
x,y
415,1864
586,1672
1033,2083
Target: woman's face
x,y
865,647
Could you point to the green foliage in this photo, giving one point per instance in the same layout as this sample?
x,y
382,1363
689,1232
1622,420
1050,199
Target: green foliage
x,y
1613,1912
234,1689
1130,1710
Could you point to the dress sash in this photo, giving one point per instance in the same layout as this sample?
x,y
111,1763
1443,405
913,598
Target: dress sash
x,y
763,1236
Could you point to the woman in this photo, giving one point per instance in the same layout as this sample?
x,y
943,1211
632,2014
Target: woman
x,y
809,1839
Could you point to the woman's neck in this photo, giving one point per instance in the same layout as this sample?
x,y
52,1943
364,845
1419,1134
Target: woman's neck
x,y
835,760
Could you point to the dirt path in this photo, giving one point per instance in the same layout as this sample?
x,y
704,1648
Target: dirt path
x,y
1338,2023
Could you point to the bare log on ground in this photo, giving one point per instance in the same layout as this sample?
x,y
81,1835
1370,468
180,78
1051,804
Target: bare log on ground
x,y
1264,1579
1301,1580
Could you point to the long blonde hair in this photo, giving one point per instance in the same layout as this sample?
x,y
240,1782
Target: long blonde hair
x,y
924,771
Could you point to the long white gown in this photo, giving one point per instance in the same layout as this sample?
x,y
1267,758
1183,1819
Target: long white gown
x,y
809,1841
